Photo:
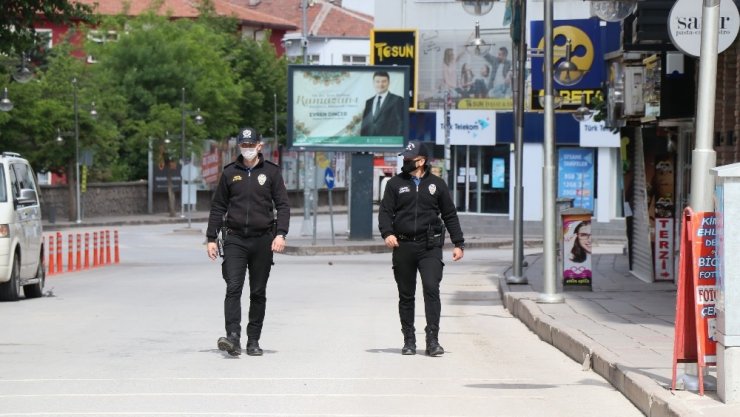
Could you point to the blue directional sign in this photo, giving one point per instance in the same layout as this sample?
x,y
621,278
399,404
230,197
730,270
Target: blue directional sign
x,y
329,178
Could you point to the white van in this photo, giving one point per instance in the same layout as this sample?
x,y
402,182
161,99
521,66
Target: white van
x,y
21,238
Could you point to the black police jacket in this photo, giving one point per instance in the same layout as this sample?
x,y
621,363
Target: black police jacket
x,y
407,209
248,196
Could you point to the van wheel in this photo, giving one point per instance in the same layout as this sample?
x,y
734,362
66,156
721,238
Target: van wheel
x,y
9,291
37,290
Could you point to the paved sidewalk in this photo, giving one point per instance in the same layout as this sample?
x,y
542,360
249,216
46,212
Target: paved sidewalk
x,y
623,329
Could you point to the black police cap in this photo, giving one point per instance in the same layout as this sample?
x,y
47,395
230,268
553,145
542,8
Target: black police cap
x,y
413,149
248,135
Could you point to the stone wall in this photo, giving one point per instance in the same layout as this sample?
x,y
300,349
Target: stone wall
x,y
130,198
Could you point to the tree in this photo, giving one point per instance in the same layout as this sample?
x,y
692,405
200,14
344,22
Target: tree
x,y
263,74
18,18
44,111
150,66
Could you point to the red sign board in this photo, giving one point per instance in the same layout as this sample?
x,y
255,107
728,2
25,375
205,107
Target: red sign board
x,y
694,340
210,166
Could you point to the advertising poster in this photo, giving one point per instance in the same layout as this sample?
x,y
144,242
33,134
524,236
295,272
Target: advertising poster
x,y
576,176
498,173
474,78
347,108
704,242
576,250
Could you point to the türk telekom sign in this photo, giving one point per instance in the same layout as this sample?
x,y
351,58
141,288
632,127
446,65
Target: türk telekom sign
x,y
684,25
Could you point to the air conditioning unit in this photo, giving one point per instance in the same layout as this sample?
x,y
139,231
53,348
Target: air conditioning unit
x,y
634,80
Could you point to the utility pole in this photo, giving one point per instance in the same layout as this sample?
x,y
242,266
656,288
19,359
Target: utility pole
x,y
550,294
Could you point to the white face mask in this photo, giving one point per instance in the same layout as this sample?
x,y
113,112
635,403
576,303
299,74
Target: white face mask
x,y
249,153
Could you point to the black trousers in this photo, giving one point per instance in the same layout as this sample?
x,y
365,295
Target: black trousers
x,y
242,253
408,258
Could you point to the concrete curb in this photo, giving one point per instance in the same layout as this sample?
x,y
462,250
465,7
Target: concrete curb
x,y
378,247
645,393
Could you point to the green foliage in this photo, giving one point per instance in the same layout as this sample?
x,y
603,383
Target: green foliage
x,y
18,18
151,65
263,75
137,86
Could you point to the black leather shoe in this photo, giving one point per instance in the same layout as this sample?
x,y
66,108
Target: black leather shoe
x,y
230,344
434,349
253,348
409,345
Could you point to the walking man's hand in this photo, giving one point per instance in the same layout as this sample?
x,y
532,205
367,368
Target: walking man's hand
x,y
212,250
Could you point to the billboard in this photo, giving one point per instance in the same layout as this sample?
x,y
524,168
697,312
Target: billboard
x,y
396,47
581,41
348,108
474,78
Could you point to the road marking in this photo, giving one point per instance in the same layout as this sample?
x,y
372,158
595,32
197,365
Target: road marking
x,y
263,379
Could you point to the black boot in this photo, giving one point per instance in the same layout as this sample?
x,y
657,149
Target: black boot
x,y
230,344
433,347
253,347
409,343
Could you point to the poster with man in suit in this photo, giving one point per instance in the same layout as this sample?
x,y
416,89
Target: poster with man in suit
x,y
383,114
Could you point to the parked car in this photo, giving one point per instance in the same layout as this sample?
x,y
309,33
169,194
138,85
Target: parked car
x,y
21,238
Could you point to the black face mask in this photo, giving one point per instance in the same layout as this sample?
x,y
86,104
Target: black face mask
x,y
408,166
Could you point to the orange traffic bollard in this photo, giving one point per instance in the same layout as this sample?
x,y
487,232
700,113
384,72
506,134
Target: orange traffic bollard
x,y
101,260
59,252
78,264
87,251
51,255
107,247
116,257
95,249
70,253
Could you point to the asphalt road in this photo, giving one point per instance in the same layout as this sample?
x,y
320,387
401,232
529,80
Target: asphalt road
x,y
139,339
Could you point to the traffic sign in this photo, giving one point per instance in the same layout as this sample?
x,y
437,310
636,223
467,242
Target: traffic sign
x,y
329,178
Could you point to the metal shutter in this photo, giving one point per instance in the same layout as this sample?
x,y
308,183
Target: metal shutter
x,y
642,254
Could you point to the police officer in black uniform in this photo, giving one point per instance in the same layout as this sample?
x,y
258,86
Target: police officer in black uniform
x,y
413,214
249,192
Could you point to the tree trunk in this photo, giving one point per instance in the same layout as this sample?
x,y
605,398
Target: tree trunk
x,y
170,191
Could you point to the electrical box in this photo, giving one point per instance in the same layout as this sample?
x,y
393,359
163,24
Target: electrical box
x,y
634,81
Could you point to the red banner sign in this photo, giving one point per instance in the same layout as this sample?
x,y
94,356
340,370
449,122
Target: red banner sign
x,y
694,340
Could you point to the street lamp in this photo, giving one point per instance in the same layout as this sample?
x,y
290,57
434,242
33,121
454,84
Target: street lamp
x,y
23,74
198,120
549,169
5,104
93,115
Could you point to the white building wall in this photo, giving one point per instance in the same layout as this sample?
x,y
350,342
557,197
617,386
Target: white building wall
x,y
534,157
333,50
449,14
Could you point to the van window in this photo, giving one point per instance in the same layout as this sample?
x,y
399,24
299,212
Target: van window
x,y
23,175
3,191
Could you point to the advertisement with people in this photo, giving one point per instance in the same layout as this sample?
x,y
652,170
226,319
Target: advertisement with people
x,y
471,77
576,250
347,108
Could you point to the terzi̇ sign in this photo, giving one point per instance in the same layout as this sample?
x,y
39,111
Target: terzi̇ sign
x,y
684,25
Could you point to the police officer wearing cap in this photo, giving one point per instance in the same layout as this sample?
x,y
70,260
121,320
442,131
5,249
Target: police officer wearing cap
x,y
414,212
249,192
